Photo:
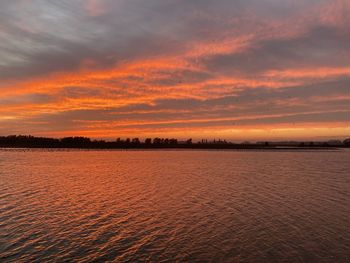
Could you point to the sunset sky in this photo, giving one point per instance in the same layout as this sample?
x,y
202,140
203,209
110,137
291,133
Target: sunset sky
x,y
231,69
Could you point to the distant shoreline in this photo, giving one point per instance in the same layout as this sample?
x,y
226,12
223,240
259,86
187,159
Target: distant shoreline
x,y
31,142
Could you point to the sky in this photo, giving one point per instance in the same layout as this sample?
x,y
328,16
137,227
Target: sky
x,y
230,69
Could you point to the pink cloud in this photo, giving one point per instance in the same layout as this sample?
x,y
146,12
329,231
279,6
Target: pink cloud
x,y
95,7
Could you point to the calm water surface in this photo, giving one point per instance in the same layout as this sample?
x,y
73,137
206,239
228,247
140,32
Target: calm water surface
x,y
198,206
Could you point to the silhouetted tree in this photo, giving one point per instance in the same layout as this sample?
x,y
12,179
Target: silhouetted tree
x,y
135,141
75,142
173,141
157,141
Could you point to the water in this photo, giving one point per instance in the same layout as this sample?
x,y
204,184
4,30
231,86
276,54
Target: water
x,y
198,206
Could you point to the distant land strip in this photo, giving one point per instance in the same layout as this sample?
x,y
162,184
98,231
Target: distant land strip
x,y
27,141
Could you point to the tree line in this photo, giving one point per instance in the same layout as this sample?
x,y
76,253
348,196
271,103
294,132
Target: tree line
x,y
83,142
28,141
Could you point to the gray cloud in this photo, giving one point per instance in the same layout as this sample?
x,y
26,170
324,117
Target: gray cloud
x,y
322,46
36,98
40,37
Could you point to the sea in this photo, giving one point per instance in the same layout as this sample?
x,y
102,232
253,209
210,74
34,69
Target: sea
x,y
174,205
